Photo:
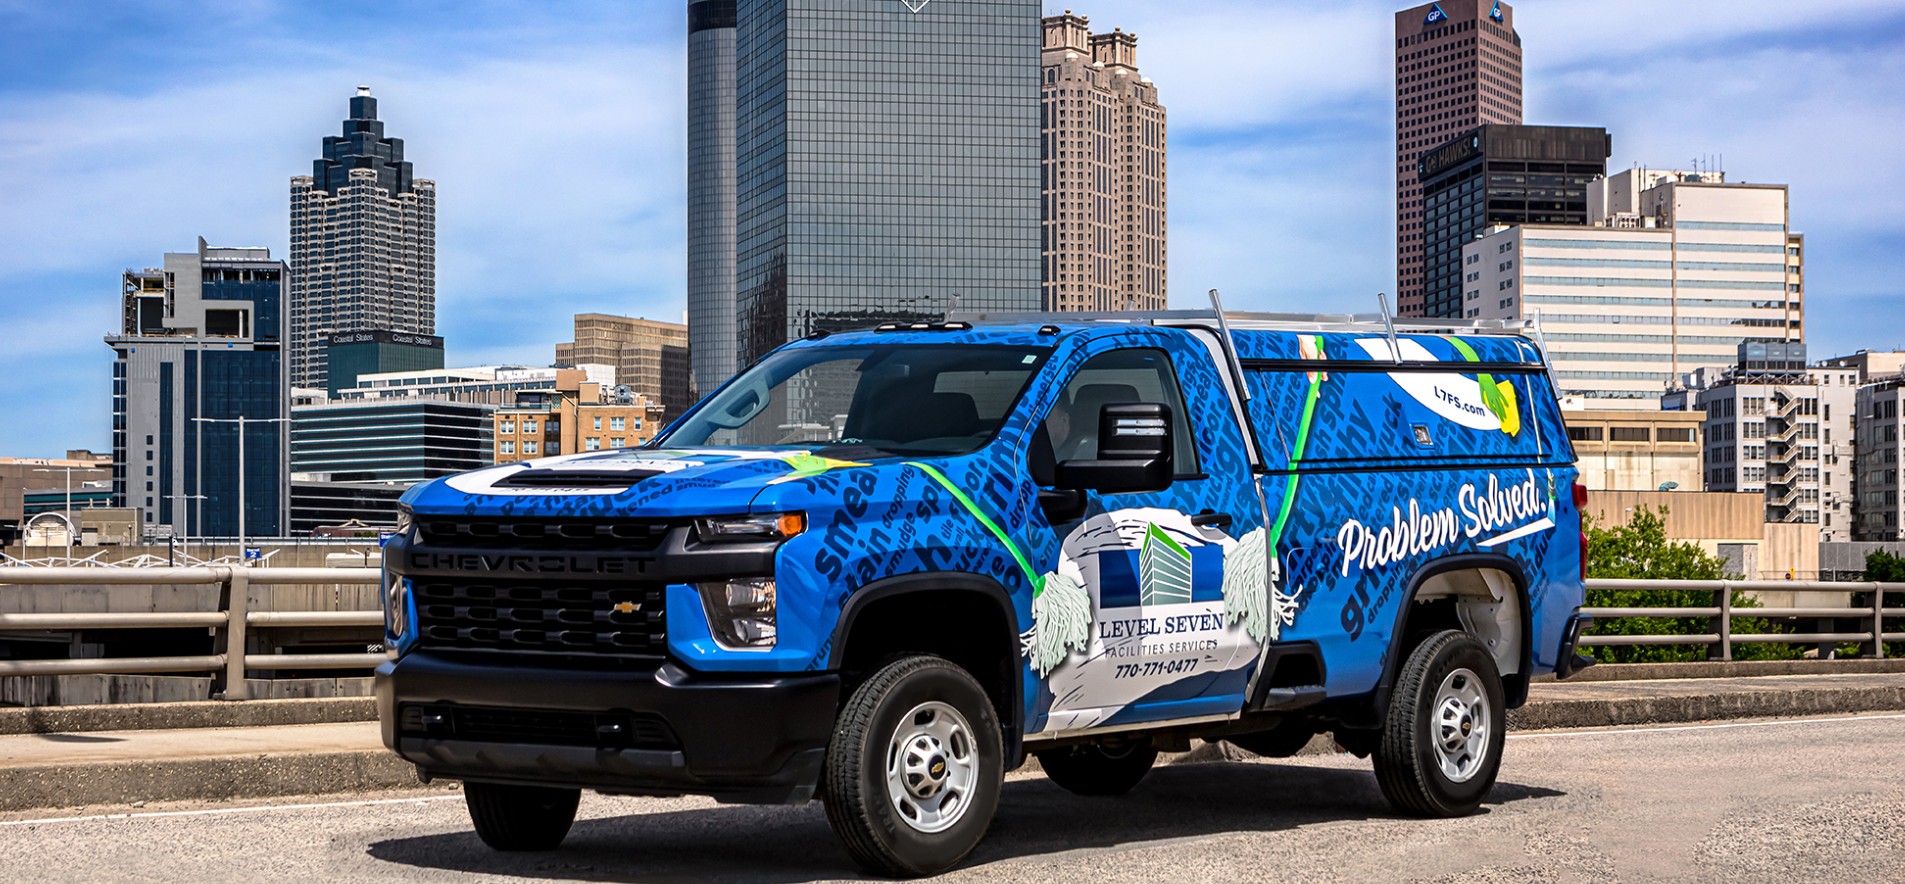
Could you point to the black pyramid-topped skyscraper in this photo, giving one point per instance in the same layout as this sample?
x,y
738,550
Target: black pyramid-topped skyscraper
x,y
363,244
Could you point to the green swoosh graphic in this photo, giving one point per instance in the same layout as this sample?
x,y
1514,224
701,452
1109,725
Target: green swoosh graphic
x,y
1296,455
1037,583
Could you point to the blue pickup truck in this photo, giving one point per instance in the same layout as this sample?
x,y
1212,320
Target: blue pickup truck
x,y
882,567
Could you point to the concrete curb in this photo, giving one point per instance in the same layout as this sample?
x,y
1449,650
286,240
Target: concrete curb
x,y
248,776
1733,669
162,716
1589,713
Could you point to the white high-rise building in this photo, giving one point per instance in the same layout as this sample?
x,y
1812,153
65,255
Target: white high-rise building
x,y
1879,479
363,244
1778,428
1680,271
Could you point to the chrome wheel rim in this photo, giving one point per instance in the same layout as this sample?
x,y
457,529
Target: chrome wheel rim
x,y
1462,727
931,765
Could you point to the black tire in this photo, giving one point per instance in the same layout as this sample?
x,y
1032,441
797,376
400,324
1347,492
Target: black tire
x,y
521,817
1095,770
1409,760
881,836
1286,739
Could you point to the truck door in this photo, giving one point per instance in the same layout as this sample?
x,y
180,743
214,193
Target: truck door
x,y
1173,579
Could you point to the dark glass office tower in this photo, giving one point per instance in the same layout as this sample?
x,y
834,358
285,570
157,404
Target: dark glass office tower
x,y
887,158
363,244
1498,174
201,347
710,194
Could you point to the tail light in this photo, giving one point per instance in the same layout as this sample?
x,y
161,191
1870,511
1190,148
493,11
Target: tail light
x,y
1580,509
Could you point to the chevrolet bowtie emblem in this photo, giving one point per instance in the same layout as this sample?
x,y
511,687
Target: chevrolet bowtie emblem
x,y
626,607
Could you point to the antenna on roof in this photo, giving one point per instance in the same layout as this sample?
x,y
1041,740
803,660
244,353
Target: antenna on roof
x,y
1382,304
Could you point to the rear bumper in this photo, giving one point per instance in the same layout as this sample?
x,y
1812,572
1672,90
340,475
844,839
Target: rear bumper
x,y
1571,660
758,739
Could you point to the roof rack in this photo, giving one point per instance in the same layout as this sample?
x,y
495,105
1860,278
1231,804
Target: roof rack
x,y
1373,323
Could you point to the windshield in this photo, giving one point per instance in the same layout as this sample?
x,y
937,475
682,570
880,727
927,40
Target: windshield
x,y
898,398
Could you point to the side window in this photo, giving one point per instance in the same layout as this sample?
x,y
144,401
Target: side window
x,y
1117,377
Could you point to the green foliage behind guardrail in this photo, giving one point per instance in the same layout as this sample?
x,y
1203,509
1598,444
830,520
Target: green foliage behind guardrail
x,y
1640,550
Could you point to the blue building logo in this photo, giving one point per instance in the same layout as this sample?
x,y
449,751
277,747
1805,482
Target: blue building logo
x,y
1495,12
1436,15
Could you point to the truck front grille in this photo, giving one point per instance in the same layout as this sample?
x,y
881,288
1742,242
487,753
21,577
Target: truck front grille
x,y
541,615
490,532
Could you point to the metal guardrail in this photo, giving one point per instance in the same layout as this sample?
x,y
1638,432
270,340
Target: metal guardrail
x,y
230,621
233,618
1721,638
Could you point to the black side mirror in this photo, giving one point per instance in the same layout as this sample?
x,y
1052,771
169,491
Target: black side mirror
x,y
1134,452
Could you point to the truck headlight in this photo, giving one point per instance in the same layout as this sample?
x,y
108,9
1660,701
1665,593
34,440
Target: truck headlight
x,y
744,529
405,519
396,607
740,612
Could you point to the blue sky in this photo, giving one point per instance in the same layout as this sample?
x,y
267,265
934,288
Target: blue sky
x,y
555,135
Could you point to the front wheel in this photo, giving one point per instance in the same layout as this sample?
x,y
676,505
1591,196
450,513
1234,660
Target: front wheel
x,y
914,768
1098,770
521,817
1441,742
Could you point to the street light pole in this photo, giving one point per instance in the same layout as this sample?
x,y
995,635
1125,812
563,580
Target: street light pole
x,y
241,421
69,505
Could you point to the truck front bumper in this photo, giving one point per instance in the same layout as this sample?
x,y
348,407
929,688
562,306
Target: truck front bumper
x,y
666,731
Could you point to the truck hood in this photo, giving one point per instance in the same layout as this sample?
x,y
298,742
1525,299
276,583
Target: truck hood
x,y
629,482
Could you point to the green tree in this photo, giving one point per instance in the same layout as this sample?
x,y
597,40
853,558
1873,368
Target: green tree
x,y
1884,567
1640,550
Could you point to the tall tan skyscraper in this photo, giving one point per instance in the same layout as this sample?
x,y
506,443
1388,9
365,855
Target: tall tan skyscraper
x,y
650,357
1458,66
1102,171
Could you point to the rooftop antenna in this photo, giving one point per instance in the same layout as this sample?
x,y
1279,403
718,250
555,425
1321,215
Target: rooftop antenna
x,y
1388,321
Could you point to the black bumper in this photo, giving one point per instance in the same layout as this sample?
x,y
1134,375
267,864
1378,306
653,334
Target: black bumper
x,y
753,738
1571,660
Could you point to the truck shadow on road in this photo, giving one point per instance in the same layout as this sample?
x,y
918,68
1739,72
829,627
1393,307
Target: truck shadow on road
x,y
1036,818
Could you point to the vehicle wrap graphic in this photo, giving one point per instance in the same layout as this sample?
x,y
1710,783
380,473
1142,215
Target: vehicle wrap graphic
x,y
1156,605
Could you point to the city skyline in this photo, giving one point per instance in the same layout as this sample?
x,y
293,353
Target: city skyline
x,y
1275,153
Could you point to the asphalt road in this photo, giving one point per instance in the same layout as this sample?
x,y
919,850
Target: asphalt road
x,y
1800,799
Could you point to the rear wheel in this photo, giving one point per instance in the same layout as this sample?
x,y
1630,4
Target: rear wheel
x,y
1441,743
1098,770
521,817
914,768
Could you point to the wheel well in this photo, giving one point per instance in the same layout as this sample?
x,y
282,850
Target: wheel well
x,y
969,628
1485,602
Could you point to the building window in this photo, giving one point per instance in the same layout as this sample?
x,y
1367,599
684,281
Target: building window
x,y
618,424
508,447
616,443
529,426
1585,434
552,426
598,423
592,444
552,448
1674,434
1628,434
529,446
507,428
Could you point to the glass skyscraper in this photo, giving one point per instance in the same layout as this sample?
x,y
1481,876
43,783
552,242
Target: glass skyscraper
x,y
363,245
202,338
710,194
887,163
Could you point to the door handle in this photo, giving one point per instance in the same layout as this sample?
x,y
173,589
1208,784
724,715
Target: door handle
x,y
1208,519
